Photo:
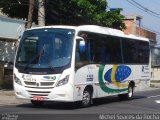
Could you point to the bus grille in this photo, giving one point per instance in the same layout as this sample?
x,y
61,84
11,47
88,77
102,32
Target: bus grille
x,y
39,88
39,93
30,83
41,84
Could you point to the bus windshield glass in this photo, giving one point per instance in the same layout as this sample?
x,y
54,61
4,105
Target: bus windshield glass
x,y
45,48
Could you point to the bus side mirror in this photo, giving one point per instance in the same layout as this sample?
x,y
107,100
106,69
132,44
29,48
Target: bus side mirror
x,y
81,44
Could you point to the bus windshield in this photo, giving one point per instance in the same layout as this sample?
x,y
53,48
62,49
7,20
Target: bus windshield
x,y
45,48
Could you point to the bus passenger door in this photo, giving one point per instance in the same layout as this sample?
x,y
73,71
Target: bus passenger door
x,y
84,69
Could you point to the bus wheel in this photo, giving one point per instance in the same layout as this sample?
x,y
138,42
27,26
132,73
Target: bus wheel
x,y
130,92
128,95
37,103
86,98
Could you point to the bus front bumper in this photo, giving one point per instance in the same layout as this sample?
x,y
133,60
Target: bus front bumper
x,y
62,93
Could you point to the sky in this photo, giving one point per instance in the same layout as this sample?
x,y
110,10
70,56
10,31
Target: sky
x,y
148,9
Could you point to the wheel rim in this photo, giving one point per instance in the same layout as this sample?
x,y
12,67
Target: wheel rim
x,y
86,98
130,92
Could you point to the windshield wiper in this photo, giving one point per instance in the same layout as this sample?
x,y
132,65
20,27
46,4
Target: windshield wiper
x,y
37,56
48,62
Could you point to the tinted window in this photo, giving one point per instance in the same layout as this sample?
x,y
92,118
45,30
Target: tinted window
x,y
134,51
100,48
105,49
129,51
143,52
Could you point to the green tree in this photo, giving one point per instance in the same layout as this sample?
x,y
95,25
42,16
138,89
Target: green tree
x,y
68,12
14,8
111,19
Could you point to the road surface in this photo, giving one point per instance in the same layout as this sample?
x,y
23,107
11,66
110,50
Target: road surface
x,y
145,105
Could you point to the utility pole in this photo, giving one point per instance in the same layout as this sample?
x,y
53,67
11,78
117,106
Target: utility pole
x,y
41,13
30,14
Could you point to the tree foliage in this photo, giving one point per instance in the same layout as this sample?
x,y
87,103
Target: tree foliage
x,y
68,12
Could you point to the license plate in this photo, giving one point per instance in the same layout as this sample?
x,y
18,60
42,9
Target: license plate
x,y
38,98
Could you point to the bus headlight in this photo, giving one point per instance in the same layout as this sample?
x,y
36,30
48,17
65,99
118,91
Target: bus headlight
x,y
63,81
17,80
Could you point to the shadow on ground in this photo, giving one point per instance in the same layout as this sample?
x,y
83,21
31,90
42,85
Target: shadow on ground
x,y
71,106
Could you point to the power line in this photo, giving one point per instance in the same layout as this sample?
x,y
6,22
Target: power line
x,y
155,2
145,8
139,6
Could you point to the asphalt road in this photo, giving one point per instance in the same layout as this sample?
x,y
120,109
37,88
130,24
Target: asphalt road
x,y
144,106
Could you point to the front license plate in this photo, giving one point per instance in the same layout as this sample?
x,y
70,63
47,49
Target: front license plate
x,y
38,98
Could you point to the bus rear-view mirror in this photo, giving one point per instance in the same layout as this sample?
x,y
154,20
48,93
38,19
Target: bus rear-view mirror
x,y
82,46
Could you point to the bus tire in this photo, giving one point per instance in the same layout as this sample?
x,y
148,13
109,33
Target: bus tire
x,y
128,95
37,103
86,98
130,92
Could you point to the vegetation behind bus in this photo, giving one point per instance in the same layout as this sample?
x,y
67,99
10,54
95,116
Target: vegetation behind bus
x,y
68,12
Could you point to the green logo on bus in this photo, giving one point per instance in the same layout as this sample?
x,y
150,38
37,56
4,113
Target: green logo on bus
x,y
50,77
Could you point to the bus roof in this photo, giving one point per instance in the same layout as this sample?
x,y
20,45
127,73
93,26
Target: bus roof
x,y
109,31
96,29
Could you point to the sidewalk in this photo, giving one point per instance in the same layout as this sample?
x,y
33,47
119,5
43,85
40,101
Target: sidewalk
x,y
7,97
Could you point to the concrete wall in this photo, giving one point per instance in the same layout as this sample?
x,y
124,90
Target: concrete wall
x,y
145,33
7,51
155,77
155,73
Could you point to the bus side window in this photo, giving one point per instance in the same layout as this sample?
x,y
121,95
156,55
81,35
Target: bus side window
x,y
81,56
99,52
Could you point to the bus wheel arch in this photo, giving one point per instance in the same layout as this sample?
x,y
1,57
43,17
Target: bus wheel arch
x,y
87,96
